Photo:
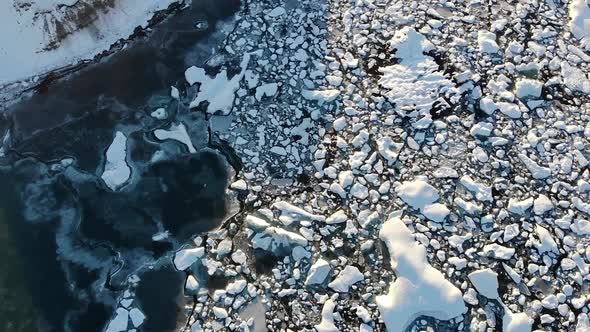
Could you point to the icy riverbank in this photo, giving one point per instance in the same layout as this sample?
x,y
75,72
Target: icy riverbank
x,y
40,36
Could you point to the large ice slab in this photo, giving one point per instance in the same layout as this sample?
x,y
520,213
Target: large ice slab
x,y
419,288
116,171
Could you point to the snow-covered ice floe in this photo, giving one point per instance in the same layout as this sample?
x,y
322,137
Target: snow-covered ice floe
x,y
419,289
116,170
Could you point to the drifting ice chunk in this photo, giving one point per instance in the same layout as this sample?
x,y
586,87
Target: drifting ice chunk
x,y
542,204
483,129
177,133
340,123
191,284
528,88
516,322
291,213
519,207
510,232
349,276
419,288
337,217
266,90
574,78
486,283
218,91
318,272
436,212
239,185
3,143
579,13
417,193
159,114
275,239
322,96
236,287
487,42
327,322
220,313
546,242
481,191
187,257
497,251
278,11
488,105
389,149
137,317
116,171
510,110
174,93
583,324
446,172
538,172
120,322
359,191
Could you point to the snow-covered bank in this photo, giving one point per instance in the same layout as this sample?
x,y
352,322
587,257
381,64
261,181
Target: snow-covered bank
x,y
39,36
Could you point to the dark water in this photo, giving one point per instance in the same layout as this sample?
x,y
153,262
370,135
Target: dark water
x,y
162,304
67,243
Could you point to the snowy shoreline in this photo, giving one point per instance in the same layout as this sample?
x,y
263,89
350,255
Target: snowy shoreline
x,y
30,65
